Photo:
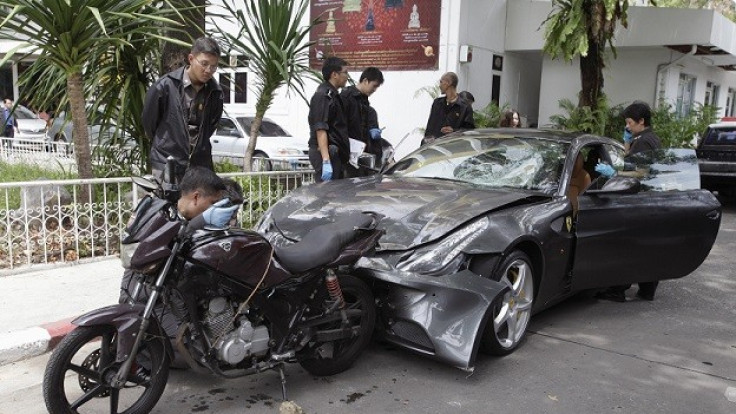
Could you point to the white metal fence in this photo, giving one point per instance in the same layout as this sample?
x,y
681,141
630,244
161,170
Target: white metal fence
x,y
44,222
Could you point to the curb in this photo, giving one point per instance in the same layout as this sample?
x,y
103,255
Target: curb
x,y
27,343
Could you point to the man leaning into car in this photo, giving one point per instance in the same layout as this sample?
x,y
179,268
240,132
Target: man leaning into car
x,y
329,148
639,122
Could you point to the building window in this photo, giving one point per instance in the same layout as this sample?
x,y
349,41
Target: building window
x,y
711,94
730,102
234,85
685,92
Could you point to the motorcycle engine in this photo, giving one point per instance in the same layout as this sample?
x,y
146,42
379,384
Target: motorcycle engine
x,y
239,343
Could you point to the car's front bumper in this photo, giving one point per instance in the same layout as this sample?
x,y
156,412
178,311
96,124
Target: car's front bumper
x,y
439,316
717,173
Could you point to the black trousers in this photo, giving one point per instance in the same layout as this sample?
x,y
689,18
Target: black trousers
x,y
315,158
646,288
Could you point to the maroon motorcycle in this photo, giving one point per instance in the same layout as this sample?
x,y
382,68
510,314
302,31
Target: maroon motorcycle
x,y
243,306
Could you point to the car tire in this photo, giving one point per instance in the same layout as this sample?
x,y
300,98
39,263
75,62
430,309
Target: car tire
x,y
511,314
260,162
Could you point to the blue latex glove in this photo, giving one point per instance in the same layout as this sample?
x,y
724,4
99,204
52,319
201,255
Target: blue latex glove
x,y
326,171
627,136
375,133
220,213
605,170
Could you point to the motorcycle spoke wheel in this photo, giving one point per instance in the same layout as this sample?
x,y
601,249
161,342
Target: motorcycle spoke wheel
x,y
79,371
330,358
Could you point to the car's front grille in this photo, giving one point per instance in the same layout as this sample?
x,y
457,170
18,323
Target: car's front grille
x,y
412,333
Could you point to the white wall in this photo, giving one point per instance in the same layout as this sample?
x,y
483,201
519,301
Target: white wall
x,y
480,23
632,76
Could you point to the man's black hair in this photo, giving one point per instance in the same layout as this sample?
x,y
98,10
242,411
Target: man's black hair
x,y
638,111
332,64
206,45
202,179
452,77
372,74
233,191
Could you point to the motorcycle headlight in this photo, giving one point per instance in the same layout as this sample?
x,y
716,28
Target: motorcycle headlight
x,y
435,257
126,253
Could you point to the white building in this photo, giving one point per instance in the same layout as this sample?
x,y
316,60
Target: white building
x,y
683,56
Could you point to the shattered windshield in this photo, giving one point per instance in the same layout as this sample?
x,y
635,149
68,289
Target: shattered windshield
x,y
524,163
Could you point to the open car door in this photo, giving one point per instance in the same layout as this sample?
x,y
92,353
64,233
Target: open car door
x,y
649,222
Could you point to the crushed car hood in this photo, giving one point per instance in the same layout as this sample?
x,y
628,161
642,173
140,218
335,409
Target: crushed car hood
x,y
415,210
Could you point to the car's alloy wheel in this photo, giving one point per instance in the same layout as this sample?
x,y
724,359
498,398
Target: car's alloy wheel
x,y
512,313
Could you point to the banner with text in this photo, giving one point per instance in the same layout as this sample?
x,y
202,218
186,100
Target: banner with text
x,y
388,34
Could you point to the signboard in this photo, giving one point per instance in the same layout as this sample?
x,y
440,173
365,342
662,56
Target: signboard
x,y
388,34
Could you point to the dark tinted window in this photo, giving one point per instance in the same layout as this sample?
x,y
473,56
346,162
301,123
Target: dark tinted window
x,y
720,136
227,127
269,129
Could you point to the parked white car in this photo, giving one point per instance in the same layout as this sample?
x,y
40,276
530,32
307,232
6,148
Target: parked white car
x,y
275,148
60,133
32,129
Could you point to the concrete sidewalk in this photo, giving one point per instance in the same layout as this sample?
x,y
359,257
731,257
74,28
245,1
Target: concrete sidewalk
x,y
37,306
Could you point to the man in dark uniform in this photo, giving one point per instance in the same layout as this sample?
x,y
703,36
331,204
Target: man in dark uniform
x,y
182,110
9,123
362,120
450,112
639,122
329,148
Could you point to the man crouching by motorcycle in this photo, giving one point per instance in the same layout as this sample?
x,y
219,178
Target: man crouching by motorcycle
x,y
206,201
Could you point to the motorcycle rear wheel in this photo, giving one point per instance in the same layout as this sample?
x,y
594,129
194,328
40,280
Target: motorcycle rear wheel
x,y
82,364
330,358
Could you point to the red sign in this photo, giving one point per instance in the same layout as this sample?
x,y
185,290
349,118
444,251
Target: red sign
x,y
388,34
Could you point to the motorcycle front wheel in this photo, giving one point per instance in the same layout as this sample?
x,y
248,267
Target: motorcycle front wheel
x,y
78,375
330,358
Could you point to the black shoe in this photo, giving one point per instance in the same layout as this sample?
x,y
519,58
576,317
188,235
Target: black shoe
x,y
645,295
614,296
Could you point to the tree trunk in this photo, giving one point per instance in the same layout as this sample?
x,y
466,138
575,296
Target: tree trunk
x,y
175,56
592,64
80,132
255,126
591,77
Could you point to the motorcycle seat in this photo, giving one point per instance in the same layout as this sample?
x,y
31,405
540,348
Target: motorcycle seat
x,y
322,244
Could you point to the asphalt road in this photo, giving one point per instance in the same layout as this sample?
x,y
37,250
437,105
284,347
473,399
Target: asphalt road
x,y
674,355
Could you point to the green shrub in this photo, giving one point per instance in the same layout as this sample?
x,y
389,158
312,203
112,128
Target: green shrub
x,y
604,120
673,130
26,172
490,116
677,132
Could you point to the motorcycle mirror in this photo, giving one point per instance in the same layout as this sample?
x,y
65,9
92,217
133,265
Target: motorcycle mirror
x,y
145,183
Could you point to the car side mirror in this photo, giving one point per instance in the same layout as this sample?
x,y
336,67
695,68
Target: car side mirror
x,y
617,185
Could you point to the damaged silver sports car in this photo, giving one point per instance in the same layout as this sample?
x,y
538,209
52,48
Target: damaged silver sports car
x,y
487,227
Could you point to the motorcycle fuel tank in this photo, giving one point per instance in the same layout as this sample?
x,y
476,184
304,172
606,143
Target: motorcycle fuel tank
x,y
241,254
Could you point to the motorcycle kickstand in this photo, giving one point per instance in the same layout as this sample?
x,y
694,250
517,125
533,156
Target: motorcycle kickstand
x,y
283,382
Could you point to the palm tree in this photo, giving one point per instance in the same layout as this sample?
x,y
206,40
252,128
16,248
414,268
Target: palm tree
x,y
272,37
583,28
71,38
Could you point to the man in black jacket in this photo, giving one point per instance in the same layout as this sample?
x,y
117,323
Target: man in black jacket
x,y
329,148
362,119
182,110
450,112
